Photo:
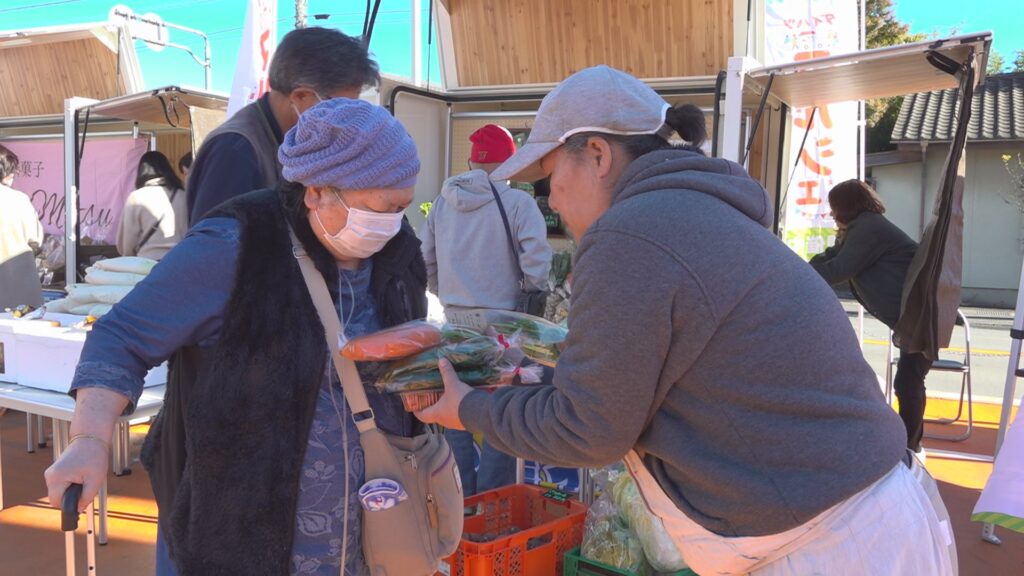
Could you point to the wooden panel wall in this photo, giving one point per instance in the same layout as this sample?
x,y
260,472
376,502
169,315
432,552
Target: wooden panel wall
x,y
535,41
36,79
174,145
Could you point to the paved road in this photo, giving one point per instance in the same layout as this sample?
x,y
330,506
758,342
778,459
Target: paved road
x,y
990,352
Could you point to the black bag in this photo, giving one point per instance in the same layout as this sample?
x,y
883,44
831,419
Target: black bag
x,y
532,302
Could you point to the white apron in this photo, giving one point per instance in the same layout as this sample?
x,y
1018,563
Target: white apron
x,y
896,526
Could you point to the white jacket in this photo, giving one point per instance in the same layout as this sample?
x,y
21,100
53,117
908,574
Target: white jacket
x,y
469,260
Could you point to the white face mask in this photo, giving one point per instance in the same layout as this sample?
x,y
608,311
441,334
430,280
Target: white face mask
x,y
365,233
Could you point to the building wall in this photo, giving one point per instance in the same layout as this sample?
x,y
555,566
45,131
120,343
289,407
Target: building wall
x,y
993,228
502,42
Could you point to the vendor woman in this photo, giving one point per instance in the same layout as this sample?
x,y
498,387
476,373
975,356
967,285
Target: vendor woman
x,y
251,455
706,353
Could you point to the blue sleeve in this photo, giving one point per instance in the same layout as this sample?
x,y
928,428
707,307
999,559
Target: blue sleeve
x,y
180,303
227,167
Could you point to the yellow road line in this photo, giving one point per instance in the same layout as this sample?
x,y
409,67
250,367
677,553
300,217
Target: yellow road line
x,y
981,351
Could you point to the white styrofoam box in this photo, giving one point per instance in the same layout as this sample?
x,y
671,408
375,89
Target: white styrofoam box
x,y
66,320
46,357
8,353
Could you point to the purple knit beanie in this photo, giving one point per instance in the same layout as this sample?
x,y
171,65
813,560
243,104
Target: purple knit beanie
x,y
349,144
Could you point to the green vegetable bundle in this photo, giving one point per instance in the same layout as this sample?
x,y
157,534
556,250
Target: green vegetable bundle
x,y
474,359
431,380
478,359
538,338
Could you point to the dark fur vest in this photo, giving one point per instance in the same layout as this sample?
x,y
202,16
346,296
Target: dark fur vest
x,y
225,453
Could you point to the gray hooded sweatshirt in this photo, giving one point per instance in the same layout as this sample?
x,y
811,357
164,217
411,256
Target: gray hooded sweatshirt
x,y
702,341
469,260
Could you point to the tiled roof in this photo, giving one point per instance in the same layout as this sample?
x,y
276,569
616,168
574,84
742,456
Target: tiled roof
x,y
997,112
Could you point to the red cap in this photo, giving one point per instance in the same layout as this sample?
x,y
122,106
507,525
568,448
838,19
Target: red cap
x,y
491,144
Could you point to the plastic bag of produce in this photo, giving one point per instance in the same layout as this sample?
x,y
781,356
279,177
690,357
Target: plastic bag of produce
x,y
659,549
130,264
606,536
82,309
472,352
99,310
393,343
60,305
476,376
99,276
539,339
87,293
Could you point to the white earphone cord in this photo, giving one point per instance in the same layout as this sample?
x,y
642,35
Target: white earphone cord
x,y
344,427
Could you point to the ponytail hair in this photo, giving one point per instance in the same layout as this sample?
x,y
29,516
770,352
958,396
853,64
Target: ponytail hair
x,y
686,120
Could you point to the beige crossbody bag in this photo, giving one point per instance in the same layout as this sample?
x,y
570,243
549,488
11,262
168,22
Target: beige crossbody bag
x,y
404,534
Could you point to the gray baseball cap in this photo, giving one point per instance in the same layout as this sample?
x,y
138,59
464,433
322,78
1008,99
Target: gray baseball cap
x,y
598,99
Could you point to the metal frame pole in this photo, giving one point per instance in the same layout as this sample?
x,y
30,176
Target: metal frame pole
x,y
735,75
988,531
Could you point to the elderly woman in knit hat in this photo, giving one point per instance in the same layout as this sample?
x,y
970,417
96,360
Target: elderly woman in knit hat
x,y
254,459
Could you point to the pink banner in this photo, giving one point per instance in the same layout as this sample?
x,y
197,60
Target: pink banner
x,y
107,178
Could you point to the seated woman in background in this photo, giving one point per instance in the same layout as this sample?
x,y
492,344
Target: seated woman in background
x,y
155,216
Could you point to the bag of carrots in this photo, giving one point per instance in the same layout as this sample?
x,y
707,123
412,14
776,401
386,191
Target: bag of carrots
x,y
393,343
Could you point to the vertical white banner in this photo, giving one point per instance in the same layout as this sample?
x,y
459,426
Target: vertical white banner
x,y
259,37
798,30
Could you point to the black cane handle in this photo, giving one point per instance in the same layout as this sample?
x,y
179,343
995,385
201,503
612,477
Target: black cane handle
x,y
69,508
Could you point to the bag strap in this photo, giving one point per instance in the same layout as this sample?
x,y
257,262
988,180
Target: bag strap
x,y
351,382
508,234
155,226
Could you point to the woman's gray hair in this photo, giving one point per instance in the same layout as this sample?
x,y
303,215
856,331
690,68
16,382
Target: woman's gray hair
x,y
323,59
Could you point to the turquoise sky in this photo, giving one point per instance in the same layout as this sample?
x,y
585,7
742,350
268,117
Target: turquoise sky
x,y
392,43
222,21
1002,17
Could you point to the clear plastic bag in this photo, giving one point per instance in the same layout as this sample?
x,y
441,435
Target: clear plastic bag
x,y
394,343
477,377
658,547
606,536
129,264
52,251
539,339
479,359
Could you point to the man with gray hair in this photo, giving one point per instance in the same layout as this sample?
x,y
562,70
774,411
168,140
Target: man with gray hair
x,y
310,65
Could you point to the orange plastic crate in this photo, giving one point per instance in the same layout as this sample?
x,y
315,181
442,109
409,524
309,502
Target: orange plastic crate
x,y
545,529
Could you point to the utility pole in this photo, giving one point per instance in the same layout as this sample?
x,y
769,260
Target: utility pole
x,y
300,13
417,42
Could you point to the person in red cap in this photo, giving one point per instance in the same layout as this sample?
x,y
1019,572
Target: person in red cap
x,y
470,264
